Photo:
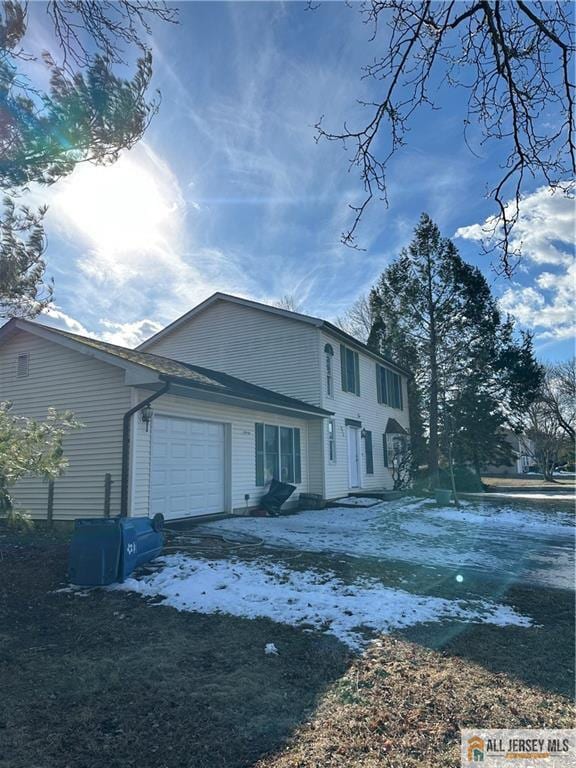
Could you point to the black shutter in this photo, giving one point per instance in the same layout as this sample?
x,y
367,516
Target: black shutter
x,y
259,454
343,367
369,457
385,448
297,460
356,373
378,383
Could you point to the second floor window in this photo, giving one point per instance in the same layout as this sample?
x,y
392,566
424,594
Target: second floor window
x,y
329,359
350,368
389,387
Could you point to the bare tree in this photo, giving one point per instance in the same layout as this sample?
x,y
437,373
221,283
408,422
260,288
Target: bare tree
x,y
289,302
401,462
560,395
547,438
357,320
514,60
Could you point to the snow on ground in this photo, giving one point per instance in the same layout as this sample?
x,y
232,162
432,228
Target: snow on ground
x,y
492,537
319,599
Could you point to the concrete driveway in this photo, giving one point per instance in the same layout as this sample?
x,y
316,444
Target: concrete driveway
x,y
519,543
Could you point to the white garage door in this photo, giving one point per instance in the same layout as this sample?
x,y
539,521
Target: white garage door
x,y
187,467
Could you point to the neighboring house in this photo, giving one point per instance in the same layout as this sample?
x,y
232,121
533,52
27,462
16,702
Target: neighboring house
x,y
522,459
242,392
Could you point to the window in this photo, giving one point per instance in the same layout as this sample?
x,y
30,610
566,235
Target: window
x,y
350,369
332,441
368,449
23,365
277,454
329,355
389,387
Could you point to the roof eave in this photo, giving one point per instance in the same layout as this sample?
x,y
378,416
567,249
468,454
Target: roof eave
x,y
311,412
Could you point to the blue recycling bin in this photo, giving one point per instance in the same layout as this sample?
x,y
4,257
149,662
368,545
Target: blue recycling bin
x,y
104,551
142,541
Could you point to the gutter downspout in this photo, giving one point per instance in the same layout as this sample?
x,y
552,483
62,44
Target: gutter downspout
x,y
126,446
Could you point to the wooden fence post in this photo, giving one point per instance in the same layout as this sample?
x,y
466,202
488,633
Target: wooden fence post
x,y
50,510
107,492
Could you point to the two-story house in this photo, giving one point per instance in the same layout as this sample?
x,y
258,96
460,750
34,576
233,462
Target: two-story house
x,y
200,417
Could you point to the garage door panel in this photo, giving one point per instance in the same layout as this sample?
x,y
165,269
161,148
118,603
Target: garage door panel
x,y
178,450
187,472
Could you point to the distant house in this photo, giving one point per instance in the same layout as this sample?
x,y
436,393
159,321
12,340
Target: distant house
x,y
522,459
202,416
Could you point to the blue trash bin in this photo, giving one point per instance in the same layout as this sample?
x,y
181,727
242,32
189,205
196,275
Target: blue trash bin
x,y
142,541
104,551
95,552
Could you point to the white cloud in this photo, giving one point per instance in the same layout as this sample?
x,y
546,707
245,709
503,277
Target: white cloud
x,y
59,319
550,306
545,234
124,334
544,231
129,334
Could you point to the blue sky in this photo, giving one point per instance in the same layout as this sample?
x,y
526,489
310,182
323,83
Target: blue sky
x,y
229,190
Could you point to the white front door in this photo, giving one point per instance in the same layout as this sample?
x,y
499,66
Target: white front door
x,y
353,434
187,472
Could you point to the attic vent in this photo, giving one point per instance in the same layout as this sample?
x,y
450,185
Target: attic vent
x,y
23,365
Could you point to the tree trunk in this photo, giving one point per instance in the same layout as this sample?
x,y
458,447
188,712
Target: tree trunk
x,y
433,405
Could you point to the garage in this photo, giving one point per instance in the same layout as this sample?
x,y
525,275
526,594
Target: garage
x,y
187,472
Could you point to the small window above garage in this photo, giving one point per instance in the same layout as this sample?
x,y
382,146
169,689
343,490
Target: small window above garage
x,y
23,365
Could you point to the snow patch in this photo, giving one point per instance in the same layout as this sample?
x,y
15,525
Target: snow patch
x,y
316,598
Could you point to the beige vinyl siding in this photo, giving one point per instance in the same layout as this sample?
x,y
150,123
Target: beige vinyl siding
x,y
241,447
95,392
364,408
272,351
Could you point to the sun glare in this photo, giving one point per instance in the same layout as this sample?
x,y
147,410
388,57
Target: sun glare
x,y
124,207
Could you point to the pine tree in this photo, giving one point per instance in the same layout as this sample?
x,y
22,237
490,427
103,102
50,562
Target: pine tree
x,y
436,314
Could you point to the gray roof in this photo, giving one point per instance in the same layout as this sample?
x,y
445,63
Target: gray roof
x,y
184,374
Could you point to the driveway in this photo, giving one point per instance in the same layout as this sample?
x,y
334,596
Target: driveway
x,y
501,541
356,572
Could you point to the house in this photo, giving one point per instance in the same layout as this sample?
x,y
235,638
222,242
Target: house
x,y
522,458
200,417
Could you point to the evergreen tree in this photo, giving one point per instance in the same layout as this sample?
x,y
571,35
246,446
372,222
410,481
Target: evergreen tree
x,y
435,314
390,344
87,114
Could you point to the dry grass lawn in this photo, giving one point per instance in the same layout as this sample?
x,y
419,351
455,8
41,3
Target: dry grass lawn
x,y
110,681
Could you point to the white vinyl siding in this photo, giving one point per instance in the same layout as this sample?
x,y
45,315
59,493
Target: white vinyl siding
x,y
269,350
241,428
95,392
373,417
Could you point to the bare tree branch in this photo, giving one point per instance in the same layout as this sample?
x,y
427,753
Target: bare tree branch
x,y
515,62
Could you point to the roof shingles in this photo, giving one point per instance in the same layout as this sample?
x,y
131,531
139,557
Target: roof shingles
x,y
191,375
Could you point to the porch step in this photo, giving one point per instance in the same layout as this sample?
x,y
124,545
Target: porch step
x,y
383,495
